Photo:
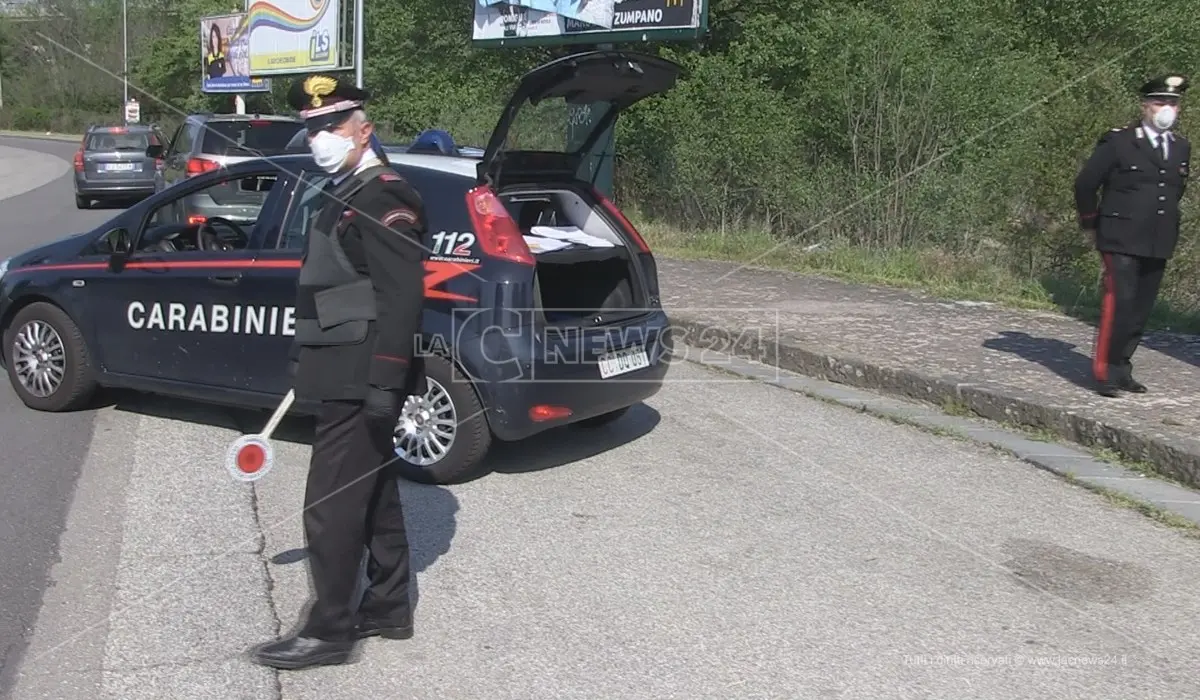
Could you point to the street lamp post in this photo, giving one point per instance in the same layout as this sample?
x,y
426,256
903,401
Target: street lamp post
x,y
125,54
358,43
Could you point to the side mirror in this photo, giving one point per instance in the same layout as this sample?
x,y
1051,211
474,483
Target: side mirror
x,y
116,261
154,151
117,244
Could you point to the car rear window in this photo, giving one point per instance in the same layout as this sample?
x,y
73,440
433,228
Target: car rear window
x,y
116,141
242,138
444,196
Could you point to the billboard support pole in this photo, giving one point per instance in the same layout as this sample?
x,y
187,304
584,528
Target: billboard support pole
x,y
358,43
239,103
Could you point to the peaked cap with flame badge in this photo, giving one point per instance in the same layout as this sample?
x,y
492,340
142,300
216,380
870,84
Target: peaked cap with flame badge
x,y
1167,86
324,101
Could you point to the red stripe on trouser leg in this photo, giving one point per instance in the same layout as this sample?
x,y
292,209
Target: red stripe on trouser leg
x,y
1108,307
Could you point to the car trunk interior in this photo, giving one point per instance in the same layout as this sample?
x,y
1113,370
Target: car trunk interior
x,y
585,268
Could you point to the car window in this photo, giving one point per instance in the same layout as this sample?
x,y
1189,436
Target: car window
x,y
219,217
443,196
117,141
299,141
306,204
249,137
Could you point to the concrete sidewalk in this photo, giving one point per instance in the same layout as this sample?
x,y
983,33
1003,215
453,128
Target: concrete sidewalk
x,y
1027,368
700,547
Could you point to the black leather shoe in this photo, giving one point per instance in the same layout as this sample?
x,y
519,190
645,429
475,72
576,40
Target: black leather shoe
x,y
302,652
1134,386
387,630
1107,389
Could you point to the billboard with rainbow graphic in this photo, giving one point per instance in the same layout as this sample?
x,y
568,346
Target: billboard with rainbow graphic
x,y
290,36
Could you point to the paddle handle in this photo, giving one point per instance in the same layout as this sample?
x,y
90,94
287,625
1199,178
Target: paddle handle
x,y
279,414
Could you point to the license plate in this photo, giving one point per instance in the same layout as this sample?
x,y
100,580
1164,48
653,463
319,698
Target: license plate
x,y
114,167
623,361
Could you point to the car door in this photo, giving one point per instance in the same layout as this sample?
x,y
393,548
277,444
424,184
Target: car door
x,y
175,159
180,313
277,271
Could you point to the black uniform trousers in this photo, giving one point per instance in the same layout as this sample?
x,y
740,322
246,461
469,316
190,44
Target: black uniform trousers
x,y
1131,285
352,500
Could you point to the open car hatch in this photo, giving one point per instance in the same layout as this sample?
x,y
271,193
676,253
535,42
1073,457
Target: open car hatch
x,y
609,80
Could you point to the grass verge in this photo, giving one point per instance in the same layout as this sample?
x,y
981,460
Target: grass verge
x,y
41,135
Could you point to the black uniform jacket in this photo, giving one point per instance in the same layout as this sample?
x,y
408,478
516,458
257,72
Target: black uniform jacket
x,y
1138,212
382,230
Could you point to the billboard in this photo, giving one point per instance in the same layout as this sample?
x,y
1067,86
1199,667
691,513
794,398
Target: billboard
x,y
291,36
529,22
225,57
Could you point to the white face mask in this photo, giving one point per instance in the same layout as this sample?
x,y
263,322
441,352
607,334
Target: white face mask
x,y
1164,118
330,150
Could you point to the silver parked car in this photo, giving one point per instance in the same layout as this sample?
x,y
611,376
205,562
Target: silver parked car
x,y
207,142
112,163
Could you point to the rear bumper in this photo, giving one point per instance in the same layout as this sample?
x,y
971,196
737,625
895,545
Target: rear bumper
x,y
516,373
122,188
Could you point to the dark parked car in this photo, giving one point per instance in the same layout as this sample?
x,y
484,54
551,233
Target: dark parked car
x,y
111,164
542,299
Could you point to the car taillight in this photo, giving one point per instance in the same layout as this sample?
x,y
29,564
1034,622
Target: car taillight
x,y
196,219
543,412
159,164
260,122
496,230
79,161
195,166
621,219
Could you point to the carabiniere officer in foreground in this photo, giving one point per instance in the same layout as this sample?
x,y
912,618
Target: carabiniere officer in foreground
x,y
1143,169
358,310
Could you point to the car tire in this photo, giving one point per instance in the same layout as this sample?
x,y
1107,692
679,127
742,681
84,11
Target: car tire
x,y
465,458
82,202
603,419
78,381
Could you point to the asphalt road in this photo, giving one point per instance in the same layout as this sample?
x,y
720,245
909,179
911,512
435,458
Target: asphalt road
x,y
728,539
41,452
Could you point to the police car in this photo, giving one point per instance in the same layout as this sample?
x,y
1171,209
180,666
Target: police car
x,y
542,299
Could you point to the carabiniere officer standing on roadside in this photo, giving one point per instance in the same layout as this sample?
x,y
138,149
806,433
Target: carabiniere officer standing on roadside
x,y
1143,168
358,312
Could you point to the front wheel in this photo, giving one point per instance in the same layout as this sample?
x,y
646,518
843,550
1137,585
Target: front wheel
x,y
442,437
47,359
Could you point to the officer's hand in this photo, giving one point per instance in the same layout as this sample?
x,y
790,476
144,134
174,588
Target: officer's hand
x,y
383,404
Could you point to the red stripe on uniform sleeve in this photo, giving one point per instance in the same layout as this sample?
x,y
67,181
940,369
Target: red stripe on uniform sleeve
x,y
402,214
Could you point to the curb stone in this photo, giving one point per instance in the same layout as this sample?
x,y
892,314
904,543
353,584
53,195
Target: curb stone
x,y
1062,460
1170,459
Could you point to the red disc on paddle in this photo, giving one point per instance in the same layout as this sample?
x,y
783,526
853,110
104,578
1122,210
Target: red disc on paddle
x,y
250,459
